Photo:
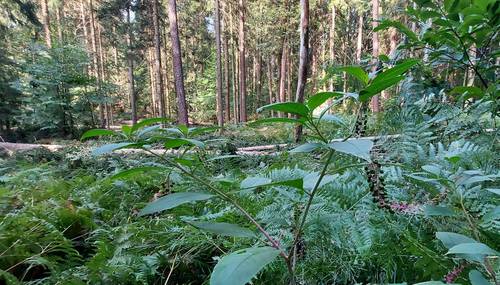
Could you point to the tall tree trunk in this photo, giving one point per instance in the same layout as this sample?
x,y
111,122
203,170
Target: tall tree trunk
x,y
270,81
242,65
236,107
375,104
157,61
304,45
130,69
227,102
218,98
331,50
97,63
282,94
103,75
177,63
152,83
258,88
359,45
46,23
59,16
166,84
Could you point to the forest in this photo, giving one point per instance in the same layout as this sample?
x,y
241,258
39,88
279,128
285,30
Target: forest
x,y
233,142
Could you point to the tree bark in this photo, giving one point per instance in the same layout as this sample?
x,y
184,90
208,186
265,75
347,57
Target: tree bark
x,y
46,23
130,69
332,42
375,104
359,45
282,91
236,113
97,63
304,45
270,81
177,63
242,65
218,98
59,16
227,102
159,89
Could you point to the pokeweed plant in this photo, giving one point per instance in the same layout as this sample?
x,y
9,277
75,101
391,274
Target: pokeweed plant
x,y
239,267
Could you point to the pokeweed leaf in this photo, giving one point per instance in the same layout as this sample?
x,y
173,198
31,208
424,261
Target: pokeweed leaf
x,y
441,211
287,107
320,98
224,229
311,179
238,268
451,239
277,120
473,248
136,170
107,148
173,200
97,133
253,182
355,71
198,130
376,87
177,142
385,24
307,147
477,278
147,122
358,147
331,119
396,71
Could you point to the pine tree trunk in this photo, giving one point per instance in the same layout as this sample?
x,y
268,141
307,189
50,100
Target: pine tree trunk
x,y
242,65
375,104
270,81
177,64
152,84
359,45
236,116
59,16
97,63
46,23
103,75
302,72
130,69
218,98
332,43
282,91
157,61
227,102
258,88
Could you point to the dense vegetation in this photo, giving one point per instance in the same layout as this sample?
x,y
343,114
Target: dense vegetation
x,y
377,169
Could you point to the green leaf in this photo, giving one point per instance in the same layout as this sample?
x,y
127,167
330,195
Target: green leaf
x,y
276,120
177,142
136,170
355,71
474,248
224,229
287,107
199,130
110,147
238,268
320,98
358,147
494,191
468,91
96,133
442,211
307,147
147,122
396,71
451,239
253,182
385,24
127,130
376,87
331,119
477,278
173,200
311,179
